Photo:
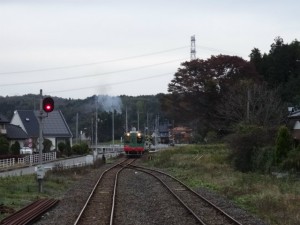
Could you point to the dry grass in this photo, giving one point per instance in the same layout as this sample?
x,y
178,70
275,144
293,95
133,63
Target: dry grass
x,y
18,191
276,201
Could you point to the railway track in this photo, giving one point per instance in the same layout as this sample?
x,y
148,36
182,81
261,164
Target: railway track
x,y
100,206
29,213
140,199
204,211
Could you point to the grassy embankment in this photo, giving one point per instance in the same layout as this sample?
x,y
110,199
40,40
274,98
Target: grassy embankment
x,y
274,200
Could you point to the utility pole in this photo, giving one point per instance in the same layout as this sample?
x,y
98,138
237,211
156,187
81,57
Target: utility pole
x,y
113,128
40,169
147,123
126,126
76,128
156,129
96,126
138,120
92,131
248,105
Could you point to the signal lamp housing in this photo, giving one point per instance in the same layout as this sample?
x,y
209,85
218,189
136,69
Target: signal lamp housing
x,y
48,104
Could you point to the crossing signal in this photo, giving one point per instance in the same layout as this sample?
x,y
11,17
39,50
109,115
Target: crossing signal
x,y
48,104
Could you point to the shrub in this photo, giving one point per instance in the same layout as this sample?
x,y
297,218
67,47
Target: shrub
x,y
292,162
15,148
245,143
62,147
4,145
197,138
284,143
47,145
80,149
69,150
76,149
263,159
211,137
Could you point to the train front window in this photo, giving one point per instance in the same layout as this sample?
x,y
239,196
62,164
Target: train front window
x,y
127,138
139,139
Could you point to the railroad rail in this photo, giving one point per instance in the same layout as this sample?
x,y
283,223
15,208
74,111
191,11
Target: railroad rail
x,y
201,208
100,205
29,213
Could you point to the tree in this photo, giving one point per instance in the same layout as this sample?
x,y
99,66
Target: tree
x,y
280,68
253,104
256,58
47,145
284,143
244,143
15,148
4,145
198,85
62,148
68,151
80,149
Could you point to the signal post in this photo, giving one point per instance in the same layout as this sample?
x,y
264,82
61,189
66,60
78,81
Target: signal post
x,y
46,105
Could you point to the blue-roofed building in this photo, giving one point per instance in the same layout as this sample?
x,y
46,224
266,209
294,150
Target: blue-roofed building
x,y
55,127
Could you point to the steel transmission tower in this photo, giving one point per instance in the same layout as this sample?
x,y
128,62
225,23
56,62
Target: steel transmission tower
x,y
193,48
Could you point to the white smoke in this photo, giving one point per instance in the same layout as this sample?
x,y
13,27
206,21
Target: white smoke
x,y
109,103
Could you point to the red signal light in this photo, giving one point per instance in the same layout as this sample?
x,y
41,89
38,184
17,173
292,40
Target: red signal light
x,y
48,104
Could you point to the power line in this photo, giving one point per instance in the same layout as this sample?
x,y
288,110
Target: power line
x,y
89,64
111,60
215,49
89,75
112,84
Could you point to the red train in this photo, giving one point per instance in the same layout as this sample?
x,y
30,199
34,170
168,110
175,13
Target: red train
x,y
134,143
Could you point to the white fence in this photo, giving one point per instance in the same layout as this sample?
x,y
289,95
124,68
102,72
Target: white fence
x,y
27,160
61,165
108,148
7,163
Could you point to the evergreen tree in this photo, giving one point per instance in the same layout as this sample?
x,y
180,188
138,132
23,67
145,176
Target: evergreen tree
x,y
280,68
15,148
284,144
4,146
47,145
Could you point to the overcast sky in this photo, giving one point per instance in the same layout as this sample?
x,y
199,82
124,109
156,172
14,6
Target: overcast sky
x,y
78,48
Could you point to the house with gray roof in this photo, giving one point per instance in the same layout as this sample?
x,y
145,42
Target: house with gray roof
x,y
55,127
3,123
12,132
293,122
16,133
